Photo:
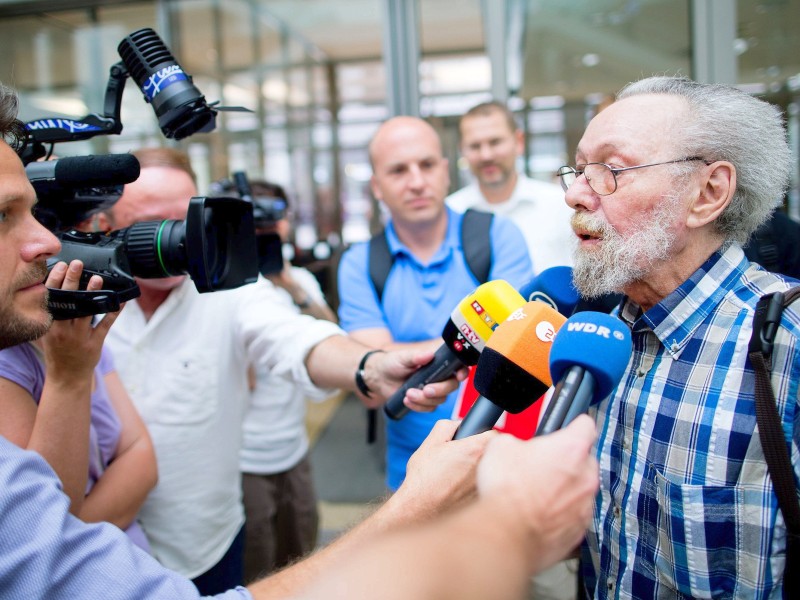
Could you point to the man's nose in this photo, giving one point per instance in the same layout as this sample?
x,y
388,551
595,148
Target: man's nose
x,y
580,194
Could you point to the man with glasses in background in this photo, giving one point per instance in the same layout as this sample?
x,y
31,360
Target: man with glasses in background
x,y
671,180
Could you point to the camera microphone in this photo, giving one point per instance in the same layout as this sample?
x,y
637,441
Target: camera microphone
x,y
180,107
73,172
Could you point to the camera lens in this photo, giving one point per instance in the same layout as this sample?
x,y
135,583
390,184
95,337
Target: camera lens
x,y
156,248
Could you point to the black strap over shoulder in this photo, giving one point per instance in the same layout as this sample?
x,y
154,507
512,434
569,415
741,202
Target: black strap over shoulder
x,y
379,262
476,243
773,442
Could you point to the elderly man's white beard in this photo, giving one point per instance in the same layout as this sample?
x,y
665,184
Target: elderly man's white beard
x,y
617,261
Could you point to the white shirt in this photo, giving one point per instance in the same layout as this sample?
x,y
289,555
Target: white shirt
x,y
185,370
539,210
274,427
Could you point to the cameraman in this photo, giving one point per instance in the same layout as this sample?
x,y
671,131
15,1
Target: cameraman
x,y
183,357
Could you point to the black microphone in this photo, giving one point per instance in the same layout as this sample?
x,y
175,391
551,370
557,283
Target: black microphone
x,y
513,370
471,323
588,358
76,172
180,107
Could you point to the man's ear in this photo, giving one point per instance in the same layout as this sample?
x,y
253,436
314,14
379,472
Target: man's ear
x,y
376,190
717,187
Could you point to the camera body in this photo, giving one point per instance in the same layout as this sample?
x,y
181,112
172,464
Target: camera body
x,y
215,245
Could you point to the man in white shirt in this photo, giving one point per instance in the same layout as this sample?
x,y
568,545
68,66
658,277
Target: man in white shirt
x,y
491,141
183,357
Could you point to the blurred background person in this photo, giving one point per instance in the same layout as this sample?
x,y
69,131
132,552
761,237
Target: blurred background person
x,y
491,142
280,504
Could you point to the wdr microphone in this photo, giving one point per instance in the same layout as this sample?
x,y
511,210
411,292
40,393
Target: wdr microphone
x,y
513,370
554,287
471,323
588,358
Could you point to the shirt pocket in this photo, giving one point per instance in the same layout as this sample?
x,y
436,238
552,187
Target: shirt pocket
x,y
712,539
188,390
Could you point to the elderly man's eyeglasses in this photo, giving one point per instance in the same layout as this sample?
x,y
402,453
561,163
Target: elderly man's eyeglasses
x,y
602,178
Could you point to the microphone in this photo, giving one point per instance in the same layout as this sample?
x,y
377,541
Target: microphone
x,y
588,358
180,107
71,172
513,370
471,323
554,287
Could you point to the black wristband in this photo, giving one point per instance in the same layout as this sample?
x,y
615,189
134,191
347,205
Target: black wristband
x,y
360,383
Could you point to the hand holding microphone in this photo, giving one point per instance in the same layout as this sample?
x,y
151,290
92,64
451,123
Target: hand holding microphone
x,y
471,323
513,369
588,359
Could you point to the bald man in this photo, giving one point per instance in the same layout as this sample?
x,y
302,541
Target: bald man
x,y
429,275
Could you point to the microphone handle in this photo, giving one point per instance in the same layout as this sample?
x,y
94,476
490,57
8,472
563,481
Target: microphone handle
x,y
563,398
482,416
445,362
582,400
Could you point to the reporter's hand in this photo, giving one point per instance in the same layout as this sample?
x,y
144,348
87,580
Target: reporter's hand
x,y
546,485
387,371
72,347
441,474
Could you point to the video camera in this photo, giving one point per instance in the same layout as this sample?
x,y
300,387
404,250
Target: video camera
x,y
216,243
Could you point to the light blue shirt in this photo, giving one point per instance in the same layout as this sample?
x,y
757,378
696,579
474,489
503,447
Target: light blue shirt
x,y
417,301
46,553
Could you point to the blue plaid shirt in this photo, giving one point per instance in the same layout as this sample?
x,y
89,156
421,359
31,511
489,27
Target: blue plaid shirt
x,y
686,507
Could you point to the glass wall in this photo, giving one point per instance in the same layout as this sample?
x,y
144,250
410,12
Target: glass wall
x,y
313,111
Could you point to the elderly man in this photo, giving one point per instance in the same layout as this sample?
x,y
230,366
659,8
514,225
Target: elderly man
x,y
429,274
491,142
670,180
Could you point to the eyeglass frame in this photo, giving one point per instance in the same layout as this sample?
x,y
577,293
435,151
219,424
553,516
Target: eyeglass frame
x,y
614,170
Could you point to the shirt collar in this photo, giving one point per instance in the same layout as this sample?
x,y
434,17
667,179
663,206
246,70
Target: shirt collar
x,y
675,319
452,240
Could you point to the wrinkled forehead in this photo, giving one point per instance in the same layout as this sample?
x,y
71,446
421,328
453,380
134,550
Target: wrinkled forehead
x,y
647,125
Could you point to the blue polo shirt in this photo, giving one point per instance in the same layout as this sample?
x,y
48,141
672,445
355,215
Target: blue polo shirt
x,y
417,301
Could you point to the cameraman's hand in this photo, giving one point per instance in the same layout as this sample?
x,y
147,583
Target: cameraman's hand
x,y
387,371
72,347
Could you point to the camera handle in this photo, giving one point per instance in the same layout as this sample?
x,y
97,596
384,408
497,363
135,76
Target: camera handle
x,y
72,304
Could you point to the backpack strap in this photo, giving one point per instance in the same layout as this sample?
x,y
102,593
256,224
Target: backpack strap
x,y
766,322
476,243
379,262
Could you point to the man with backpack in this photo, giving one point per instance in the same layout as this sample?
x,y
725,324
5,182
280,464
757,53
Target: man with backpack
x,y
399,289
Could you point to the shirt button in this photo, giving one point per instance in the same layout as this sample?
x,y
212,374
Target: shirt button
x,y
610,585
617,511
